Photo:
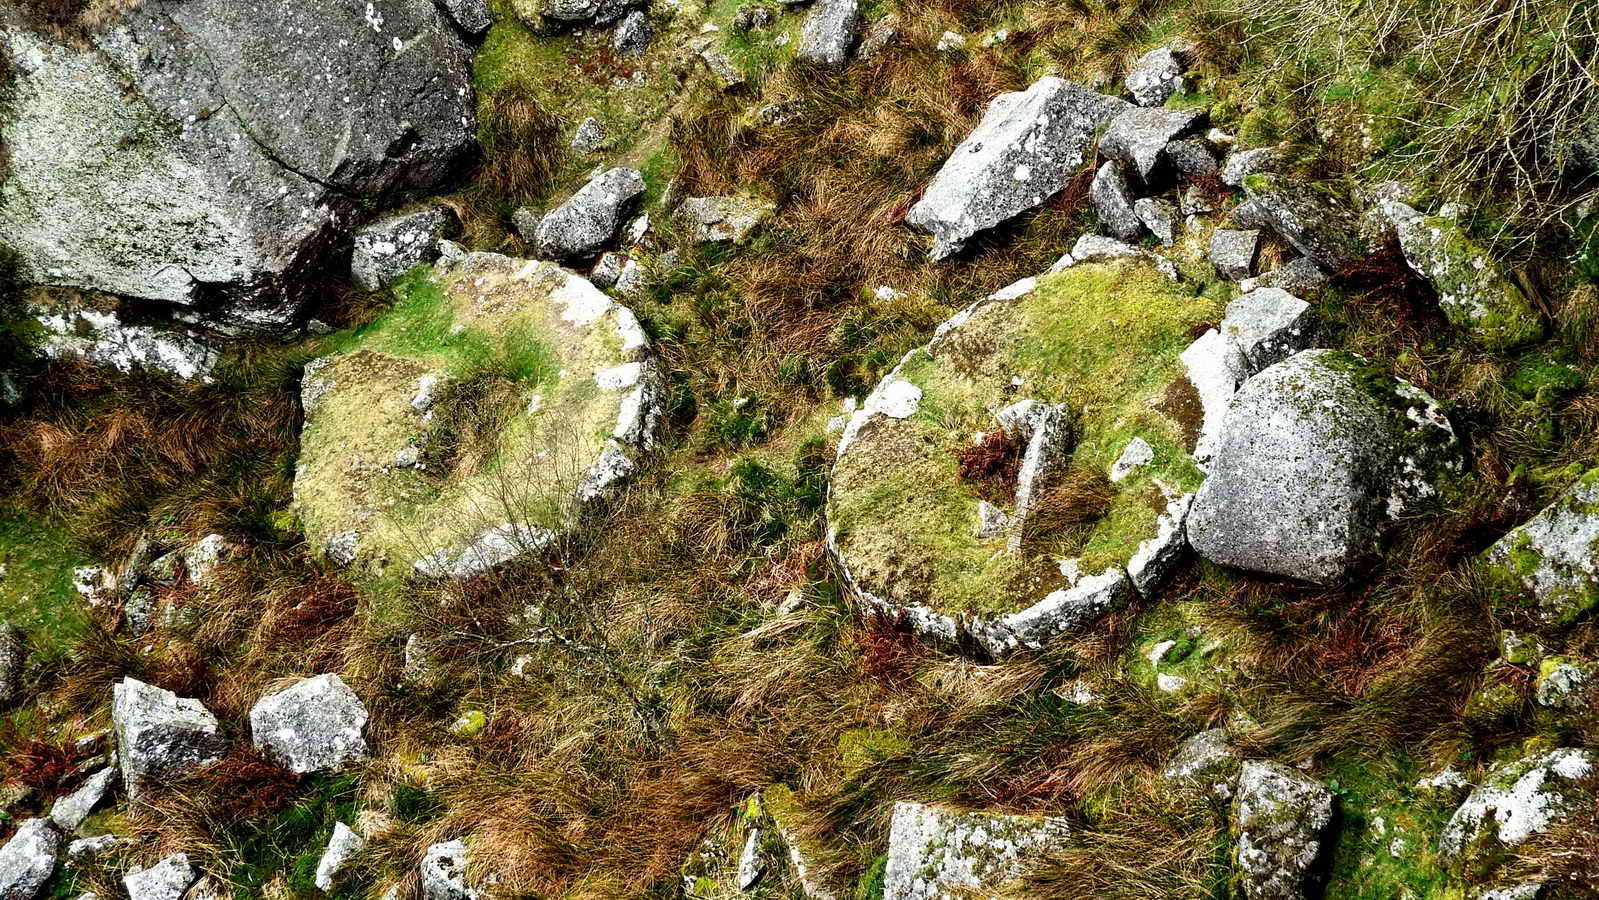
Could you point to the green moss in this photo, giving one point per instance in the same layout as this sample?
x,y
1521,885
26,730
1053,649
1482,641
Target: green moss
x,y
36,570
1542,378
870,885
291,842
1386,837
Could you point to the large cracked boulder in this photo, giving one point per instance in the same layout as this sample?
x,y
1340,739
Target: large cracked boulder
x,y
1515,801
497,402
960,495
313,726
1278,820
1475,293
159,734
941,854
1553,560
1027,146
1315,454
28,859
206,153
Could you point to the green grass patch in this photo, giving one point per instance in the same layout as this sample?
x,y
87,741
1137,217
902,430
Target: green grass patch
x,y
36,592
291,842
1387,837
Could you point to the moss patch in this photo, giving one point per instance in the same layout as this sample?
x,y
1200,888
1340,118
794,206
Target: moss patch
x,y
36,592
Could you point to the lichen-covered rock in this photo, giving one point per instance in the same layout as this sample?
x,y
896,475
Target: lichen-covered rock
x,y
1215,370
1268,325
633,35
1317,226
1160,554
882,33
1113,200
937,854
1243,163
1159,216
579,407
444,872
1315,454
28,859
1193,157
1137,454
70,811
471,16
1233,252
159,734
13,656
1473,291
1297,276
206,154
722,220
343,844
1027,146
1278,819
168,879
1207,761
1565,683
1065,610
388,248
1553,560
1158,74
727,75
1138,136
590,218
100,337
1515,801
202,557
829,32
1048,435
314,726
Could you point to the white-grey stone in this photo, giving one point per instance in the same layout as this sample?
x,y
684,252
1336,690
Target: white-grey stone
x,y
471,16
1528,891
1278,819
13,656
1098,248
1551,557
1475,292
1205,760
939,854
343,844
101,338
1065,611
1159,216
1297,276
159,734
1048,452
1517,800
1193,157
633,35
1564,684
950,41
882,33
829,33
1243,163
1027,146
168,879
750,865
1138,136
201,558
722,220
1233,252
1314,458
28,859
313,726
444,872
1268,325
1113,201
85,849
1136,455
589,136
727,75
341,548
1315,225
388,248
70,811
1158,74
992,522
1216,370
608,269
591,217
1159,555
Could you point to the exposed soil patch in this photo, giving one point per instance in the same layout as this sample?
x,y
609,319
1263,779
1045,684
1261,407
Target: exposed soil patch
x,y
1180,403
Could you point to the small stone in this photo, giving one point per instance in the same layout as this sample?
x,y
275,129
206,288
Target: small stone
x,y
1098,248
202,558
1206,760
1113,200
1278,820
589,137
471,16
1521,649
1137,454
750,865
1243,163
1158,556
950,42
722,220
590,219
1169,683
1549,561
992,522
1297,276
727,75
1047,454
389,247
343,844
752,16
13,655
829,33
1515,801
168,879
313,726
28,859
633,35
70,811
1159,216
1268,325
160,735
1564,683
1158,74
882,33
608,269
1233,253
1139,136
1193,157
86,849
444,872
1447,783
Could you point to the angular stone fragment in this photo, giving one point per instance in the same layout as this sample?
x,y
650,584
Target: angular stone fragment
x,y
1565,683
70,811
589,136
1205,760
1192,157
343,844
1515,801
1233,253
1158,556
829,33
1243,163
939,854
13,655
1278,819
727,75
159,734
1137,454
1159,216
1027,146
168,879
390,247
1316,454
1139,136
1215,370
880,35
633,35
722,220
1314,224
444,872
1553,559
1049,446
1268,325
591,217
28,859
992,521
1473,291
1113,201
313,726
1158,74
1297,276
